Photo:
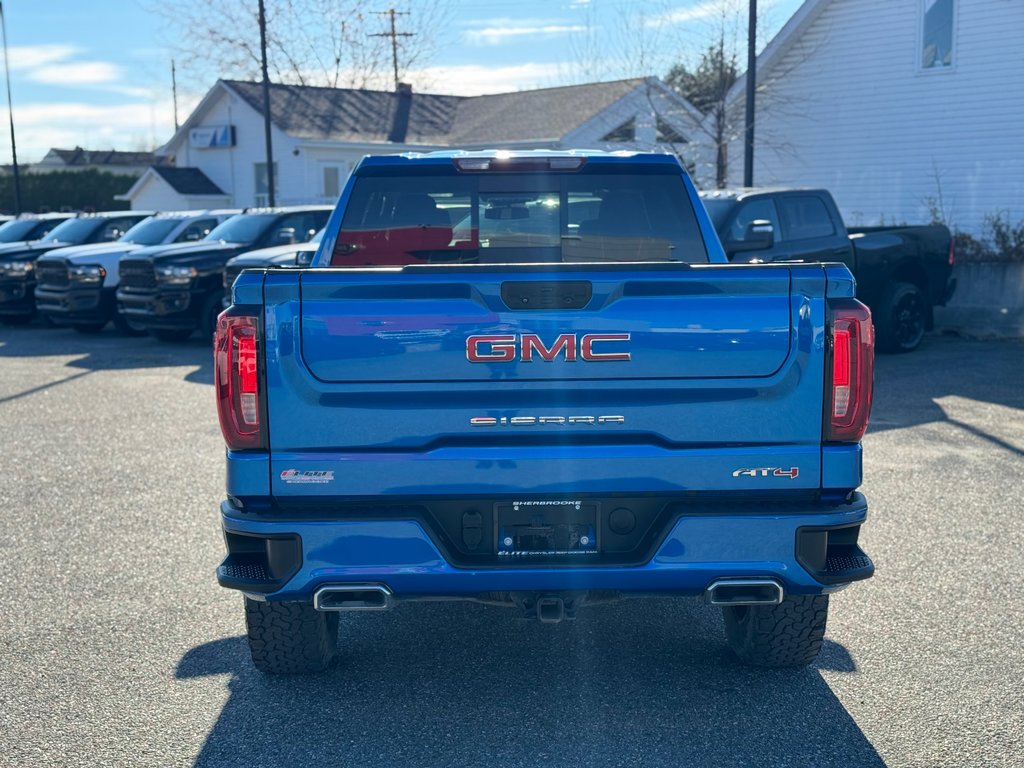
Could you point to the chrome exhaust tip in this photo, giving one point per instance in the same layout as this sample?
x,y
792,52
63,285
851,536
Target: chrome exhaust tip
x,y
353,597
745,592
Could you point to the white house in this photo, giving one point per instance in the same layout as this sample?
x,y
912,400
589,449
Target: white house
x,y
896,106
167,188
319,134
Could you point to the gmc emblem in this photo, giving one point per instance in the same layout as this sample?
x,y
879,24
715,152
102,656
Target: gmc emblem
x,y
528,347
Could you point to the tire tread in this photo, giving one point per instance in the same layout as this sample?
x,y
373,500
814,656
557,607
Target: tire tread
x,y
789,634
287,638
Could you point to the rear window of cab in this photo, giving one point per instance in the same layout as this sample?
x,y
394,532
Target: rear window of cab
x,y
505,218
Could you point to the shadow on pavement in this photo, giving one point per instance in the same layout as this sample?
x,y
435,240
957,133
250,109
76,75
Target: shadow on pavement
x,y
107,350
641,682
907,386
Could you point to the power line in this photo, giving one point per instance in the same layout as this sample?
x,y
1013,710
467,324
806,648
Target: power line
x,y
394,36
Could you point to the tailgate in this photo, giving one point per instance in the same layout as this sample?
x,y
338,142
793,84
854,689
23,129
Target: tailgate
x,y
545,380
685,324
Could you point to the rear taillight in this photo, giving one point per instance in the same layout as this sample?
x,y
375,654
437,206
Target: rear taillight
x,y
236,371
952,252
852,373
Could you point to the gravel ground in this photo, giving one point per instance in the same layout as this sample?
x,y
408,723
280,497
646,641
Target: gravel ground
x,y
119,648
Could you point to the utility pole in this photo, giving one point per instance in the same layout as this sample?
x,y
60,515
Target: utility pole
x,y
10,114
394,37
266,107
174,95
748,141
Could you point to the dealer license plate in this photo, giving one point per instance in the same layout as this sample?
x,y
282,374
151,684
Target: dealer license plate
x,y
546,528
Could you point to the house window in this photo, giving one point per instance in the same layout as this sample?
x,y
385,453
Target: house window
x,y
262,188
667,134
623,134
332,176
937,34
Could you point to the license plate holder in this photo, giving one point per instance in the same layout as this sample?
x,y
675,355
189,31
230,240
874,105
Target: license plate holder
x,y
546,528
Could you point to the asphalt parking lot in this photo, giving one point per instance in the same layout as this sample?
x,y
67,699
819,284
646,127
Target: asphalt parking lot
x,y
120,649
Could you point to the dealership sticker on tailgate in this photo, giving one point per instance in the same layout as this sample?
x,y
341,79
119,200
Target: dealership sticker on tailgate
x,y
294,476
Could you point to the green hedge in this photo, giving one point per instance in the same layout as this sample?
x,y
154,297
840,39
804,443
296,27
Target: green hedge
x,y
66,191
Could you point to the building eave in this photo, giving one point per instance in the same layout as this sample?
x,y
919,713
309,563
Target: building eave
x,y
779,45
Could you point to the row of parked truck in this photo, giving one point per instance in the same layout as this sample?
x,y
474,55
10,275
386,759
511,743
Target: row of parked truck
x,y
168,273
162,273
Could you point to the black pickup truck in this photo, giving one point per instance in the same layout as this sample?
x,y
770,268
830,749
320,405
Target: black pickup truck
x,y
172,290
901,272
18,259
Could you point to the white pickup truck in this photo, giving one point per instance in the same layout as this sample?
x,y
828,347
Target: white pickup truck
x,y
76,286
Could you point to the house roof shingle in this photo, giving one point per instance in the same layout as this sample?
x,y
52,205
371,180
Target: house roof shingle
x,y
546,113
80,156
187,181
344,114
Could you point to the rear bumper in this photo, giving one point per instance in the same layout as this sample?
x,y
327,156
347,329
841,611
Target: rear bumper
x,y
808,550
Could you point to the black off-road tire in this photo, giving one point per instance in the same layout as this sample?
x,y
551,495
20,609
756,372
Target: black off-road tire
x,y
902,318
290,638
785,635
212,308
175,335
89,329
125,327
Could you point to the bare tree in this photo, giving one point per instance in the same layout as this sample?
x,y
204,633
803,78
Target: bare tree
x,y
708,80
641,40
707,86
309,42
698,46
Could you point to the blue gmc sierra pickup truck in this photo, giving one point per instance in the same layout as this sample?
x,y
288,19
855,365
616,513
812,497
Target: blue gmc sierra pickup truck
x,y
533,379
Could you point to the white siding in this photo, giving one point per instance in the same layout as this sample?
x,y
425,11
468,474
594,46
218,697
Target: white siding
x,y
155,194
847,108
233,169
299,163
317,158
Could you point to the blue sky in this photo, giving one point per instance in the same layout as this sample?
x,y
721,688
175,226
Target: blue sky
x,y
96,73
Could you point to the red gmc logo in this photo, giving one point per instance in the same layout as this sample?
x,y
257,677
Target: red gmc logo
x,y
528,347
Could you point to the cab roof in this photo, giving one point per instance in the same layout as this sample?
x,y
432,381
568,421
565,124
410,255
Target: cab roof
x,y
449,156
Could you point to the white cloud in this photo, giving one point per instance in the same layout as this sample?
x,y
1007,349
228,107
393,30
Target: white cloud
x,y
698,12
703,10
495,35
130,125
58,65
476,79
30,56
76,73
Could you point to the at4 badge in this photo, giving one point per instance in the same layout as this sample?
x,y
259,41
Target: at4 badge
x,y
792,473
